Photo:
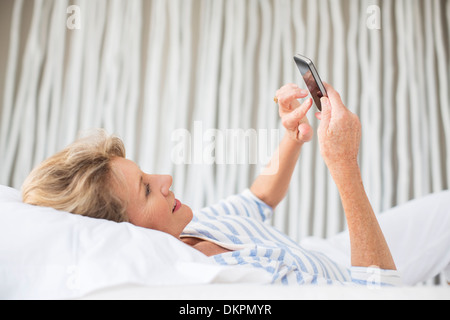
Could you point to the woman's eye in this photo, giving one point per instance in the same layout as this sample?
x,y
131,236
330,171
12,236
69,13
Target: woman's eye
x,y
147,190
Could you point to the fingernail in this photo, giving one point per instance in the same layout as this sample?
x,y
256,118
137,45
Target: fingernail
x,y
303,91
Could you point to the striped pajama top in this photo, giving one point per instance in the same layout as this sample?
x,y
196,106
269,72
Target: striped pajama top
x,y
241,223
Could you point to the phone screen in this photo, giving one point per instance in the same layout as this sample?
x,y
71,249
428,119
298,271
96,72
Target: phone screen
x,y
311,78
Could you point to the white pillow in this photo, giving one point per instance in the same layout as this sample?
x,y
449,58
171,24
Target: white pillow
x,y
49,254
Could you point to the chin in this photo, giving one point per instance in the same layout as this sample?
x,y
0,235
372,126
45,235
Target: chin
x,y
184,217
189,213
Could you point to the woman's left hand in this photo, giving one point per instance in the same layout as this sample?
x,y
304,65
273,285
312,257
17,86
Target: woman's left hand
x,y
293,114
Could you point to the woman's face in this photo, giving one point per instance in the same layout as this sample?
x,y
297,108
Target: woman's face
x,y
150,202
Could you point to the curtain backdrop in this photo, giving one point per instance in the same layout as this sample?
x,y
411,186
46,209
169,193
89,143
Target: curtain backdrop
x,y
187,83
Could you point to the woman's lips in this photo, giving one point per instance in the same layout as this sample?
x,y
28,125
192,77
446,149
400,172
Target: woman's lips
x,y
177,205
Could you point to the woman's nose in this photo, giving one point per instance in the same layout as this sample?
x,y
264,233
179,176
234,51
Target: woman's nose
x,y
166,183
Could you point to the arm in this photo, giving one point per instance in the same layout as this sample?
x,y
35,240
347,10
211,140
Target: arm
x,y
339,137
272,184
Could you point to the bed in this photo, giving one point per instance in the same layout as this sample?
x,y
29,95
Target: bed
x,y
251,291
49,254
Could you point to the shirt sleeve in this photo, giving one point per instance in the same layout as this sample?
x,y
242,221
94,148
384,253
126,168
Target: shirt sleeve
x,y
375,277
244,204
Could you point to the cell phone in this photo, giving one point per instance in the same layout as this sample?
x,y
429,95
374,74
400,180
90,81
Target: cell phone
x,y
312,79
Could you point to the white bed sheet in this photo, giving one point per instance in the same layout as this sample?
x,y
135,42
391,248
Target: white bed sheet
x,y
269,292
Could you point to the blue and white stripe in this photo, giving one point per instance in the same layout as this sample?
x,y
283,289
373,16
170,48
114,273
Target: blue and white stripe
x,y
241,223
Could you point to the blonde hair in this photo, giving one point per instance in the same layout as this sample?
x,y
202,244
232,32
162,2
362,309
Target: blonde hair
x,y
80,179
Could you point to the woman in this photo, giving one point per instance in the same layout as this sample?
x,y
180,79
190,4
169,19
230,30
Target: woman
x,y
92,177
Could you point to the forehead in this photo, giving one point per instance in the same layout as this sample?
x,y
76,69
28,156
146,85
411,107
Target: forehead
x,y
128,177
125,166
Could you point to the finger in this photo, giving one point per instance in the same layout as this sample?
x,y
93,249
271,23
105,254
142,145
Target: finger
x,y
293,106
326,110
287,96
289,86
305,132
285,88
334,97
292,119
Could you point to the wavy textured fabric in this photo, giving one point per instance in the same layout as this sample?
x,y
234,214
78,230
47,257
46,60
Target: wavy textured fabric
x,y
162,72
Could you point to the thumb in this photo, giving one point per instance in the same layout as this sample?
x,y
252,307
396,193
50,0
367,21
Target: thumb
x,y
326,109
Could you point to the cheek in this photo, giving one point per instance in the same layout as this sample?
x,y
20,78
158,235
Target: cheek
x,y
146,217
157,217
136,218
